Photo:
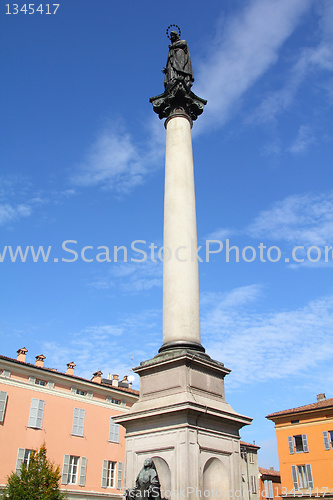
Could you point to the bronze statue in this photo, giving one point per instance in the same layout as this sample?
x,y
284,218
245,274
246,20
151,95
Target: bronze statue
x,y
178,66
177,97
147,485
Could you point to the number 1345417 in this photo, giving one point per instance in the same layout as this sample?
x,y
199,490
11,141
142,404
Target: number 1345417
x,y
32,8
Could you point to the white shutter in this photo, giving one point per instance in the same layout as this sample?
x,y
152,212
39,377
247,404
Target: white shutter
x,y
32,380
122,402
294,474
83,469
104,473
291,444
305,443
50,385
326,440
120,475
6,373
65,467
73,390
40,413
270,485
90,394
78,421
19,460
113,432
309,475
3,402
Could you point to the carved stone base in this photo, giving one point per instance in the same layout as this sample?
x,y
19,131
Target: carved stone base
x,y
176,99
184,424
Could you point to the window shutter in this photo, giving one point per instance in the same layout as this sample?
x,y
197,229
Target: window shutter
x,y
19,460
3,402
78,422
73,390
104,473
65,467
120,475
90,394
291,445
326,440
83,469
123,402
114,432
32,380
50,385
36,413
40,413
6,373
305,443
294,474
309,475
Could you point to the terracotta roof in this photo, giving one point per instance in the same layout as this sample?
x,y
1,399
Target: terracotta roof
x,y
269,472
326,403
243,443
75,377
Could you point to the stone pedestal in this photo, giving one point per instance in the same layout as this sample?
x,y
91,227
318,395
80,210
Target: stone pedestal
x,y
184,424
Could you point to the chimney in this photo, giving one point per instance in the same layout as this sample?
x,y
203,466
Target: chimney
x,y
271,468
115,380
97,377
21,354
40,361
70,368
321,397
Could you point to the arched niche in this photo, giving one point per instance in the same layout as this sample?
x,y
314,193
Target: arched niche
x,y
164,474
215,479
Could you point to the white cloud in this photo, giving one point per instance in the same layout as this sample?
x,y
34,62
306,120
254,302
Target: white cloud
x,y
11,212
308,61
117,163
242,51
271,345
303,140
299,219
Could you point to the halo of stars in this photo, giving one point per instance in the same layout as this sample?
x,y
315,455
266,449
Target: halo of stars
x,y
173,26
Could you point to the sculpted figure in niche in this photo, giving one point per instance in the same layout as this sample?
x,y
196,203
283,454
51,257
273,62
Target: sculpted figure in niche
x,y
147,485
178,67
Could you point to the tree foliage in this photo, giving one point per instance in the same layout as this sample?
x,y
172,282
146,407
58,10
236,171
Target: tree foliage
x,y
38,481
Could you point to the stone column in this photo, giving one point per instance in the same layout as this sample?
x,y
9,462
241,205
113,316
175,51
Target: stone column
x,y
181,310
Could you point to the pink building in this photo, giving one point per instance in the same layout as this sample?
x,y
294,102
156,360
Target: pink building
x,y
73,416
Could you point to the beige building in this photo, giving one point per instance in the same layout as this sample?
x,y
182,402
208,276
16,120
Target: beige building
x,y
73,416
250,471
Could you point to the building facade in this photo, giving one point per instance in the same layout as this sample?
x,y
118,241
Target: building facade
x,y
250,471
305,446
72,416
269,484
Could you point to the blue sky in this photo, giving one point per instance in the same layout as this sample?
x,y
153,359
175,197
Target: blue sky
x,y
82,157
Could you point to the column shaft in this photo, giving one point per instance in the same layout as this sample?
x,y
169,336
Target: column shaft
x,y
181,314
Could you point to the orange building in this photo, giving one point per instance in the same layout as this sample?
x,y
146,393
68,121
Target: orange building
x,y
269,484
73,416
305,447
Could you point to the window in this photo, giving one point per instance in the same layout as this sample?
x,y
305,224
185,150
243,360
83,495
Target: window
x,y
78,422
298,444
328,439
5,373
251,458
71,471
3,403
36,413
113,431
113,401
109,474
40,382
80,393
253,484
23,457
268,487
302,476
